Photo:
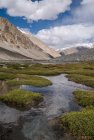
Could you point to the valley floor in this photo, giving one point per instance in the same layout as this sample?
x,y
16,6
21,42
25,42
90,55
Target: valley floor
x,y
13,76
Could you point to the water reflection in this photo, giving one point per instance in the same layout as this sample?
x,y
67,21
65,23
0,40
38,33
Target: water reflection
x,y
58,98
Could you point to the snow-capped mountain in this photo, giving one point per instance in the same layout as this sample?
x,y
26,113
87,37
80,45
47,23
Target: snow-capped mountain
x,y
72,49
78,52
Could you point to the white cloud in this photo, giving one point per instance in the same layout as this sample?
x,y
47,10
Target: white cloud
x,y
81,14
44,10
82,18
62,36
87,1
84,13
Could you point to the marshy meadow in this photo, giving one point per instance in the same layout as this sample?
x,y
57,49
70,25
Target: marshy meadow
x,y
24,87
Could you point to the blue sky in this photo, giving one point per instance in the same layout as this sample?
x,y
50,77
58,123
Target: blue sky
x,y
59,23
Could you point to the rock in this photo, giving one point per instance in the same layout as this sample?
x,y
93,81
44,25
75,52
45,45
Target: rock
x,y
15,45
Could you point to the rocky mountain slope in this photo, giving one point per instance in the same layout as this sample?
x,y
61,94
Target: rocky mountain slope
x,y
78,53
42,45
76,48
16,45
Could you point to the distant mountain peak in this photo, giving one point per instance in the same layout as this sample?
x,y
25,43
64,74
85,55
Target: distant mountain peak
x,y
75,48
78,52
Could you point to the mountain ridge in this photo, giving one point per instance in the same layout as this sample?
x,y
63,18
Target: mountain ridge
x,y
75,49
78,53
13,40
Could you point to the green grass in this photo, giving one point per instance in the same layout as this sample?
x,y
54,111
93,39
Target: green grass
x,y
84,98
82,72
80,124
21,99
76,123
44,71
35,69
5,76
82,79
29,80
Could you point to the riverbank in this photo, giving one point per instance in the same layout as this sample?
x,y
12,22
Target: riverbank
x,y
58,98
81,124
21,99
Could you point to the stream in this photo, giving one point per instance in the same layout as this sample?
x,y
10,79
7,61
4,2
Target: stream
x,y
37,123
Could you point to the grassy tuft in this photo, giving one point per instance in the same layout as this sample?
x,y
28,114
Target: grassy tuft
x,y
82,79
21,98
79,124
5,76
29,80
84,98
82,72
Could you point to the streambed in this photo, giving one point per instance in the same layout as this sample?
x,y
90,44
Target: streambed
x,y
36,124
